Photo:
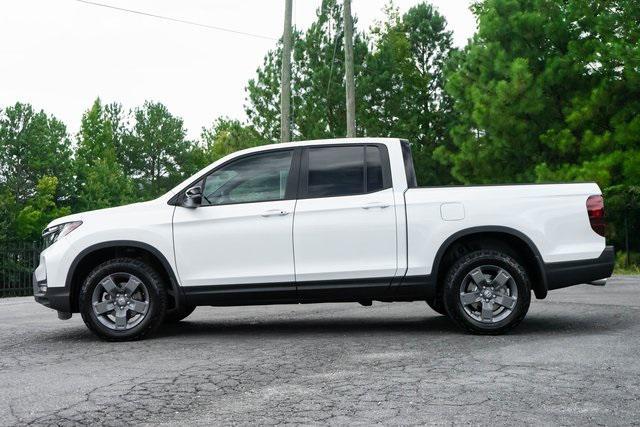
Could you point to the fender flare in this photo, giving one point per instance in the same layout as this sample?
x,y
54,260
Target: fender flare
x,y
174,284
540,291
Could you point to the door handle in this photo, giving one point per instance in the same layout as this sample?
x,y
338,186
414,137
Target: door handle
x,y
375,205
274,212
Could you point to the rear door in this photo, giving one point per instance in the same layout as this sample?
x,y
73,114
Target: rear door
x,y
345,224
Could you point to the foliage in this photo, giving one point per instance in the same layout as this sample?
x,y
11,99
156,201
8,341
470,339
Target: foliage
x,y
32,145
550,91
399,83
403,86
40,210
227,136
622,205
100,178
154,149
509,84
318,89
599,137
106,185
627,263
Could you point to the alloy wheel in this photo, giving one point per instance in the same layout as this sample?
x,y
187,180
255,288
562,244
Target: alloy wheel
x,y
120,301
488,294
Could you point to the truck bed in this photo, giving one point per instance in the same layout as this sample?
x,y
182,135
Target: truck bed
x,y
534,210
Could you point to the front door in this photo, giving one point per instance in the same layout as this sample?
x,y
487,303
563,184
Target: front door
x,y
240,238
345,223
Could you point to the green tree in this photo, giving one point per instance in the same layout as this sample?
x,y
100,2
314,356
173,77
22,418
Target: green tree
x,y
623,213
550,91
227,136
105,185
101,130
399,84
318,90
101,181
403,86
40,210
263,108
7,214
599,136
32,145
155,149
509,86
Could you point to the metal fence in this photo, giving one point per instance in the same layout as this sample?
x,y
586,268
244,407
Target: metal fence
x,y
17,262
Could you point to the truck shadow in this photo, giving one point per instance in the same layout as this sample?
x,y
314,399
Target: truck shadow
x,y
540,324
341,326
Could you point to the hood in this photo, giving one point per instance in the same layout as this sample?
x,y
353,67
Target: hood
x,y
83,216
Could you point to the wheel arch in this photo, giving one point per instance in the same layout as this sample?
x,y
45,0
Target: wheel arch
x,y
512,239
95,254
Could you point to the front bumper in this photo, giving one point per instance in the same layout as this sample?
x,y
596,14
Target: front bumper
x,y
54,298
563,274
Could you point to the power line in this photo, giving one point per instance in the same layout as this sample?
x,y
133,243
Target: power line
x,y
182,21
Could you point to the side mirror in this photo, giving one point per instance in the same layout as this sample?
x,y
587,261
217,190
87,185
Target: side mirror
x,y
193,197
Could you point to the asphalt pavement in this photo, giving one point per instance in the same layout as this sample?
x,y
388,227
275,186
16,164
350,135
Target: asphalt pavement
x,y
574,360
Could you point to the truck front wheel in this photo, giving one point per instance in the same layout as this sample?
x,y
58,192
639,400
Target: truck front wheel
x,y
487,292
123,299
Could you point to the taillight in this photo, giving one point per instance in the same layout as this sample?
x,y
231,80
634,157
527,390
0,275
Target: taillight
x,y
595,209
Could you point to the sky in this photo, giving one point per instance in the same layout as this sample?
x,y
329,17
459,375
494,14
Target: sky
x,y
59,55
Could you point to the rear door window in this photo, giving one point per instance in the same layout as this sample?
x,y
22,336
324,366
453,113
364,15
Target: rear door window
x,y
335,171
344,171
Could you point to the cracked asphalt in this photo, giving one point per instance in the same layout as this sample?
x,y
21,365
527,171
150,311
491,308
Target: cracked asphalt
x,y
574,360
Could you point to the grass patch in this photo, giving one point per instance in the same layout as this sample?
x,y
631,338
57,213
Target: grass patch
x,y
621,263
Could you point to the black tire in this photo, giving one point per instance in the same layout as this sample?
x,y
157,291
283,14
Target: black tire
x,y
437,305
155,293
181,313
459,276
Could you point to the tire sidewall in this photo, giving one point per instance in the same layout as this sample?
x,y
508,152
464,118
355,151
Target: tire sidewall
x,y
458,272
156,291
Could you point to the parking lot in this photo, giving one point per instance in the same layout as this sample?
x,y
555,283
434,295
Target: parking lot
x,y
574,360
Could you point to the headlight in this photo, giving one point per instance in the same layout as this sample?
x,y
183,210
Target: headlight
x,y
52,234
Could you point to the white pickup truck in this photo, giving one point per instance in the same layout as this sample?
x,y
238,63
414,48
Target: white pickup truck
x,y
323,221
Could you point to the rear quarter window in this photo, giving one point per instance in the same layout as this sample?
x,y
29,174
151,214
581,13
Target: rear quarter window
x,y
409,170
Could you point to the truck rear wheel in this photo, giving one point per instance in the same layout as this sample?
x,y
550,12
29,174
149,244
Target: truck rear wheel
x,y
487,292
123,299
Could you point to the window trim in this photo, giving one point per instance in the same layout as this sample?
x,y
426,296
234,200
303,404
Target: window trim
x,y
303,182
292,180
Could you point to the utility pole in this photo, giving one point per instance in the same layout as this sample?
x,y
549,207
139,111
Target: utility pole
x,y
348,70
285,77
